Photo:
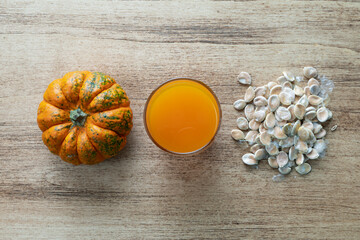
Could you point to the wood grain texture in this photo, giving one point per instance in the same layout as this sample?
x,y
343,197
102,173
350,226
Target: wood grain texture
x,y
145,193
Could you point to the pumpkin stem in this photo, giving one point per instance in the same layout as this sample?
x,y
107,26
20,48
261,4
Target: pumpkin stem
x,y
78,117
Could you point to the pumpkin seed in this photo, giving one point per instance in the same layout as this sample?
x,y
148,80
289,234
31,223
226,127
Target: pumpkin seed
x,y
322,114
249,159
310,72
251,137
283,113
287,85
304,101
259,116
313,154
293,153
261,91
244,78
255,147
307,91
314,89
270,120
287,142
321,134
249,94
239,104
289,76
281,80
261,154
279,134
303,133
317,127
249,111
310,115
308,124
237,134
274,102
309,109
265,138
262,128
254,125
313,82
315,100
300,159
298,91
295,128
303,169
285,98
272,162
301,146
287,128
272,149
285,170
276,90
260,101
291,109
242,123
282,159
271,85
299,111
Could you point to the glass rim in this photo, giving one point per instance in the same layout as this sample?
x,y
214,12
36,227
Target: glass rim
x,y
218,125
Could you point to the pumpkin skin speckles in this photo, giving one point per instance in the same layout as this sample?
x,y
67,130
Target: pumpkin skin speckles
x,y
105,107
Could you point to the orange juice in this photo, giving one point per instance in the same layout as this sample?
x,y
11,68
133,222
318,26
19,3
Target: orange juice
x,y
182,116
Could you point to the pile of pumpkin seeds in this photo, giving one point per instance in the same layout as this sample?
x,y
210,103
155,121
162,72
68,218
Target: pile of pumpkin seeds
x,y
283,120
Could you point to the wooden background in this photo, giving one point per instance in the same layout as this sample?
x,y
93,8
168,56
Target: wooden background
x,y
145,193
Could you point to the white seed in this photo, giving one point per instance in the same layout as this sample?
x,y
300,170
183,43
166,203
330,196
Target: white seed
x,y
303,133
254,125
271,84
249,159
287,128
292,153
287,142
320,146
242,123
289,76
322,114
272,162
300,159
285,98
333,128
251,137
274,102
290,92
262,128
260,91
279,134
314,89
321,134
299,111
237,134
298,91
307,91
301,146
313,154
249,111
255,147
265,138
317,128
310,72
249,94
283,113
281,123
295,128
282,159
259,116
287,84
291,109
315,100
308,124
309,109
244,78
304,101
285,170
272,149
310,115
303,169
313,82
270,120
276,90
281,80
239,104
260,101
261,154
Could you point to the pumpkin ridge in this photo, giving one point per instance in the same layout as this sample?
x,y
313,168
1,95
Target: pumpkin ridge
x,y
91,142
90,100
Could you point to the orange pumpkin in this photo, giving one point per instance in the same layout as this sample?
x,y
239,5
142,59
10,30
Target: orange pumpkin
x,y
85,117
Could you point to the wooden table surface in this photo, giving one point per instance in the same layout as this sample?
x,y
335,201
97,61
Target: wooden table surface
x,y
145,193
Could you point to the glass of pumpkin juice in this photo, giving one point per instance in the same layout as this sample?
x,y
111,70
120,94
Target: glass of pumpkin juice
x,y
182,116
